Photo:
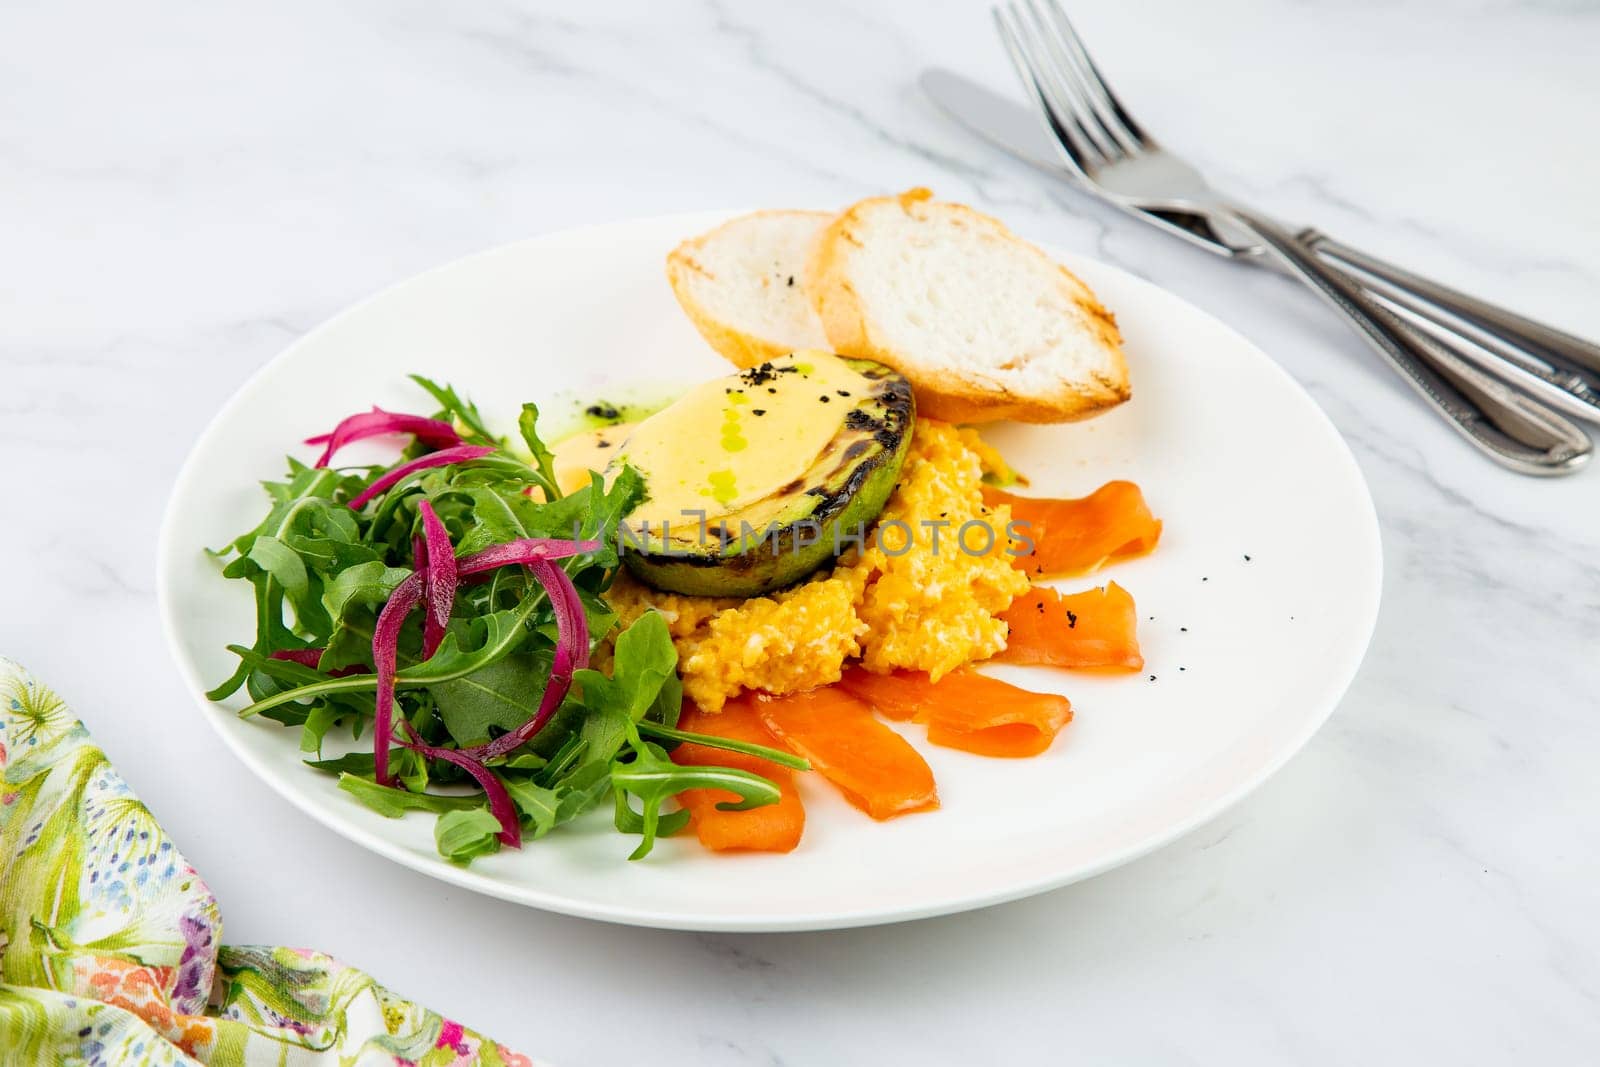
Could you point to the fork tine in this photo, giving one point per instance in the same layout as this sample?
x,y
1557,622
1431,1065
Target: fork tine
x,y
1105,103
1071,81
1022,48
1052,70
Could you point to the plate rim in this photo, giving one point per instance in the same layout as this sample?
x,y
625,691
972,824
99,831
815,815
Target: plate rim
x,y
787,921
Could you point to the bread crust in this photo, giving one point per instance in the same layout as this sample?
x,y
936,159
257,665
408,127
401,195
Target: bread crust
x,y
941,393
741,348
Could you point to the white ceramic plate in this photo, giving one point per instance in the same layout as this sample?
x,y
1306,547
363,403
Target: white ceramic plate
x,y
1246,656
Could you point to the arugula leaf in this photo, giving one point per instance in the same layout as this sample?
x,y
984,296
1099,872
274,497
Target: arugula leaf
x,y
366,584
654,778
464,835
668,704
357,763
288,715
544,460
352,600
502,695
591,513
492,520
316,727
545,808
328,555
393,803
283,563
605,729
305,485
282,669
643,662
649,825
292,682
502,633
464,413
567,759
728,744
644,659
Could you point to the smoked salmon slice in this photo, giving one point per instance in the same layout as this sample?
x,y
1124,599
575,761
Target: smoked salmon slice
x,y
874,767
1076,536
965,709
1094,628
770,828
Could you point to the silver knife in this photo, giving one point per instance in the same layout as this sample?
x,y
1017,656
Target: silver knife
x,y
1554,366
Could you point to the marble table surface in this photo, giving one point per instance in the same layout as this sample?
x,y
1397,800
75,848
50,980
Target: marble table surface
x,y
185,189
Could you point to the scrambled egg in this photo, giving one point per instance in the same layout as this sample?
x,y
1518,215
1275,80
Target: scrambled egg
x,y
893,604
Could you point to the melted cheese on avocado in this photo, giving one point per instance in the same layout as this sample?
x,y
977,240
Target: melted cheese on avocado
x,y
736,440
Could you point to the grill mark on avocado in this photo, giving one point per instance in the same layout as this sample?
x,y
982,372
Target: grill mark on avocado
x,y
832,501
895,399
859,420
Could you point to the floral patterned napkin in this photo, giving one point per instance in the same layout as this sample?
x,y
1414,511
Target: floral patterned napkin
x,y
110,943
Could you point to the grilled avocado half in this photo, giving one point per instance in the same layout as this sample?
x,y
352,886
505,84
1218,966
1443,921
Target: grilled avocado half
x,y
756,480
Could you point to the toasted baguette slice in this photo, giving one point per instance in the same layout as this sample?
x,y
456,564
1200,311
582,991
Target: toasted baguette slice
x,y
743,285
984,324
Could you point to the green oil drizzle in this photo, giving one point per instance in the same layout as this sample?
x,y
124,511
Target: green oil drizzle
x,y
722,488
732,431
595,413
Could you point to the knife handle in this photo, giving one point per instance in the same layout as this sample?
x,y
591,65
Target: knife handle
x,y
1508,427
1560,349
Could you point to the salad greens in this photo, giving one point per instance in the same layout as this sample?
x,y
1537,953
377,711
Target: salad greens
x,y
448,610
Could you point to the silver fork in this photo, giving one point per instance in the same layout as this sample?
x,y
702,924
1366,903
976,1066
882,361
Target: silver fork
x,y
1101,139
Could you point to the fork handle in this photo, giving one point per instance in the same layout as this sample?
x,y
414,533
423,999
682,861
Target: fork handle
x,y
1508,427
1558,348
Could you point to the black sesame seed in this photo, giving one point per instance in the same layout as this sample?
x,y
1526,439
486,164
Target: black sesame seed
x,y
843,392
824,398
1152,677
1183,668
758,411
1183,629
760,374
1072,620
1247,557
791,280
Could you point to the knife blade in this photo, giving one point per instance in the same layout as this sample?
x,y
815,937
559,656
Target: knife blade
x,y
1004,123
